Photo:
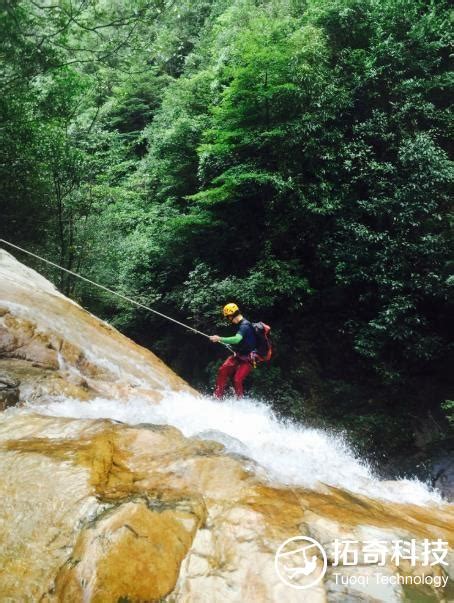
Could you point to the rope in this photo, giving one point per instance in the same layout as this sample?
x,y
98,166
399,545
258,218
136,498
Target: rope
x,y
124,297
132,301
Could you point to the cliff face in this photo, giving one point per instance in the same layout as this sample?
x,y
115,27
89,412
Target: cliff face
x,y
98,510
40,325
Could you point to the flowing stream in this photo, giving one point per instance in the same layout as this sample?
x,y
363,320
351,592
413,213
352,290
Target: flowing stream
x,y
286,453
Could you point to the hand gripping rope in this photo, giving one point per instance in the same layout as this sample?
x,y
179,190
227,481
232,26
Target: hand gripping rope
x,y
132,301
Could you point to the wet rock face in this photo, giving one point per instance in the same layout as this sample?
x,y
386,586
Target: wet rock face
x,y
101,511
9,391
21,339
78,354
38,324
121,546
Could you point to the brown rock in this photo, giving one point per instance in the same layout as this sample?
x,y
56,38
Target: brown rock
x,y
37,383
20,339
132,551
93,510
7,341
144,512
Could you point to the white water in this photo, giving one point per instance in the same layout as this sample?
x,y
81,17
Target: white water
x,y
288,454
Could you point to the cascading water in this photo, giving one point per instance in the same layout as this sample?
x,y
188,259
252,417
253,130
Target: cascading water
x,y
135,513
287,453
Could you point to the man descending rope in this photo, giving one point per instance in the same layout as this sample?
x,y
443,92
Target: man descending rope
x,y
251,345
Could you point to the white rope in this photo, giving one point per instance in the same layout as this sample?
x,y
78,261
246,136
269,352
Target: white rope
x,y
124,297
289,486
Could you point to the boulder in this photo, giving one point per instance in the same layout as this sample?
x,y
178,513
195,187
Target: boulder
x,y
103,511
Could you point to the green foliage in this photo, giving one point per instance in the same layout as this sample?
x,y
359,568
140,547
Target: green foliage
x,y
448,409
291,156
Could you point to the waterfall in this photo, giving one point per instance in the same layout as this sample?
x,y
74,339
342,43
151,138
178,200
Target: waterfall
x,y
135,486
286,453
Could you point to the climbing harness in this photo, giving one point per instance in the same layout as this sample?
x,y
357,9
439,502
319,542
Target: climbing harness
x,y
132,301
120,295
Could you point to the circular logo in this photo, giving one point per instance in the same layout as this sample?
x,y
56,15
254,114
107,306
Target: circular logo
x,y
300,562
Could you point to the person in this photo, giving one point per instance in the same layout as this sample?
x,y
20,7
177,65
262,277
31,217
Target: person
x,y
238,366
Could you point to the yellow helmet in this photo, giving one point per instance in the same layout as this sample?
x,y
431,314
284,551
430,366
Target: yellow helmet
x,y
230,309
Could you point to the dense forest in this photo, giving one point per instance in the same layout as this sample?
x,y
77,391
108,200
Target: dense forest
x,y
289,155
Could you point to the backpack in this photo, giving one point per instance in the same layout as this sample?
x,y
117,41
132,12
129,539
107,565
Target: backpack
x,y
263,340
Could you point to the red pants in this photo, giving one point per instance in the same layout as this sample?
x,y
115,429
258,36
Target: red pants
x,y
238,369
